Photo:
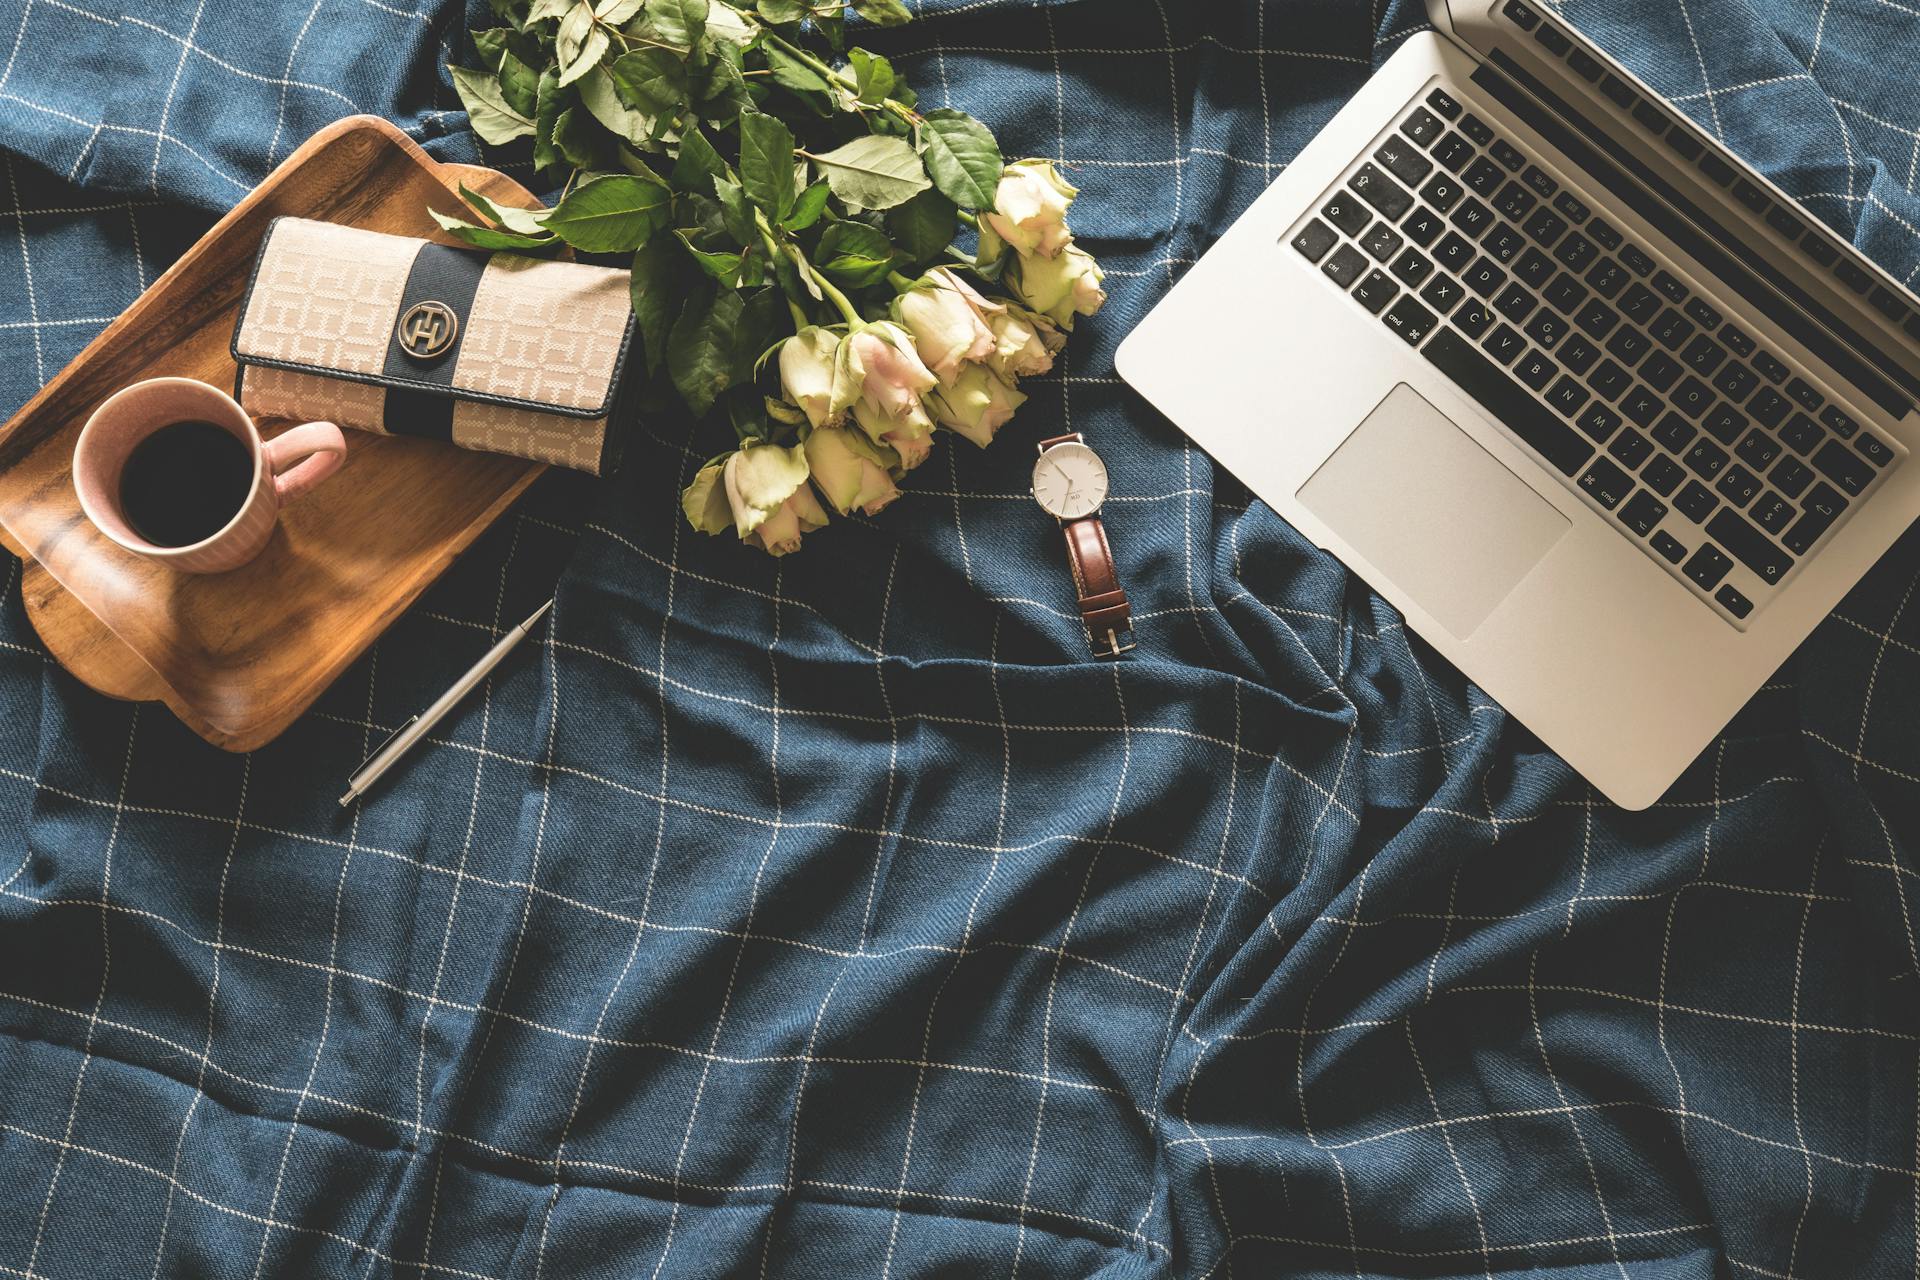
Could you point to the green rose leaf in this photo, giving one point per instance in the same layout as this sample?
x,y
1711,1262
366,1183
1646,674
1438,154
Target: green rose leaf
x,y
724,267
682,22
574,136
883,13
528,222
766,163
791,73
598,96
654,80
654,287
754,333
552,103
808,207
924,226
491,45
580,43
491,116
614,214
736,212
962,157
549,9
854,254
493,237
698,164
873,76
700,349
832,25
721,88
782,10
874,172
615,12
519,85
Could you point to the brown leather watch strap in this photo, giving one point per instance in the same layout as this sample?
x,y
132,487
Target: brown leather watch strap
x,y
1103,605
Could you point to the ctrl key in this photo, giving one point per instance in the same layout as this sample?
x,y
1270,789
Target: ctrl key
x,y
1315,239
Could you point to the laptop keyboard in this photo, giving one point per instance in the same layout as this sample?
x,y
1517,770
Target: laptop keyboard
x,y
1719,458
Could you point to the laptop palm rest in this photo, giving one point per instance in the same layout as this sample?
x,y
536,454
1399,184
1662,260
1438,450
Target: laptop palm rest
x,y
1429,508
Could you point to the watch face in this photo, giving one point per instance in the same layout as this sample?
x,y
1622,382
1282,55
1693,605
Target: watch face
x,y
1070,481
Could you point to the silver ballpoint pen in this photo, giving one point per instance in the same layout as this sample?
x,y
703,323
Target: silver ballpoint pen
x,y
402,739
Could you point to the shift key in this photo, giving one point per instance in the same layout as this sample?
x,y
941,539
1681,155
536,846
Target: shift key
x,y
1749,546
1510,403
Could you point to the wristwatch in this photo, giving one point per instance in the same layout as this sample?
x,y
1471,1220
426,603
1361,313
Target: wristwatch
x,y
1070,483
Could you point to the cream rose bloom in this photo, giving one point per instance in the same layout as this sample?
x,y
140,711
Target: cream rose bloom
x,y
1061,288
1025,343
851,471
880,378
771,502
977,404
1029,211
949,320
806,372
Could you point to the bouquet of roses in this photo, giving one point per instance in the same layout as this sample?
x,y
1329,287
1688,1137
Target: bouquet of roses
x,y
792,222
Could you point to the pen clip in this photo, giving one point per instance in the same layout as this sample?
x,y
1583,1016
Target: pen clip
x,y
384,744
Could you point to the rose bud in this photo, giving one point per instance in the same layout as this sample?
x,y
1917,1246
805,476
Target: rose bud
x,y
1063,287
977,404
879,376
852,471
911,439
949,320
806,372
1029,211
772,503
1025,343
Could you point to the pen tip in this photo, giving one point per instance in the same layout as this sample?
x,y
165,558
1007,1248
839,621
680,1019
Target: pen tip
x,y
348,798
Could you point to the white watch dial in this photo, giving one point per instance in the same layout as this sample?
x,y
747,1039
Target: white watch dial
x,y
1070,481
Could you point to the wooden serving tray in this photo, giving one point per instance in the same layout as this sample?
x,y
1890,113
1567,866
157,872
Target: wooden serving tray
x,y
239,656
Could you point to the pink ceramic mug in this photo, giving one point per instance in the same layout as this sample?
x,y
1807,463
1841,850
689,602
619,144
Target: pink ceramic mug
x,y
284,468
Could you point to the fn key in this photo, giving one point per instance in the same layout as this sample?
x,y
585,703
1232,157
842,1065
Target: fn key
x,y
1410,320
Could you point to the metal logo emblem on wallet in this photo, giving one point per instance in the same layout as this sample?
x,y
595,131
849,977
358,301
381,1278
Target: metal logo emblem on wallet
x,y
428,329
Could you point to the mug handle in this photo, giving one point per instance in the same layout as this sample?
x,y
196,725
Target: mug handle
x,y
303,457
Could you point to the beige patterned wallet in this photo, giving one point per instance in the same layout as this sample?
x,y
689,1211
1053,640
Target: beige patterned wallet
x,y
496,352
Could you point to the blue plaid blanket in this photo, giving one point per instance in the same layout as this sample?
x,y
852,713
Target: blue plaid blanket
x,y
835,916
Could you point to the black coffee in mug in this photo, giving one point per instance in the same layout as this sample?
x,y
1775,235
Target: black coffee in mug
x,y
185,482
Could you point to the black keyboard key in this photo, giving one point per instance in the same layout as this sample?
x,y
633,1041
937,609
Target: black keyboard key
x,y
1639,262
1844,467
1534,267
1804,395
1473,319
1605,234
1345,266
1703,315
1453,152
1618,91
1732,601
1640,303
1443,293
1599,422
1714,167
1515,303
1444,103
1346,213
1504,243
1674,432
1662,475
1630,449
1671,329
1738,486
1650,118
1423,127
1578,355
1554,42
1484,176
1584,65
1726,423
1404,160
1736,382
1504,344
1315,239
1424,227
1751,196
1546,227
1628,345
1707,567
1473,218
1453,253
1769,407
1802,434
1772,513
1643,512
1691,397
1696,502
1535,370
1806,531
1410,320
1873,449
1507,154
1527,418
1737,341
1521,16
1749,546
1785,223
1770,368
1704,354
1607,276
1442,193
1376,291
1565,294
1567,396
1477,129
1641,405
1515,202
1382,241
1543,185
1609,380
1757,450
1706,459
1575,252
1607,484
1412,267
1574,209
1684,144
1839,422
1816,247
1849,273
1671,549
1546,329
1597,319
1660,371
1666,284
1790,476
1888,304
1383,193
1823,499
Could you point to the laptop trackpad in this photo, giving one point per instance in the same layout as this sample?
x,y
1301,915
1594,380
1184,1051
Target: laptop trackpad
x,y
1441,517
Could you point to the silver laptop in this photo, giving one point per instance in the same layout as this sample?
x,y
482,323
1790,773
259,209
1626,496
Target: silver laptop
x,y
1604,413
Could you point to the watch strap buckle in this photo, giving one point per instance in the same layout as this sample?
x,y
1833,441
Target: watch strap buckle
x,y
1114,645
